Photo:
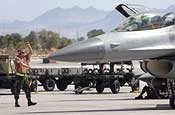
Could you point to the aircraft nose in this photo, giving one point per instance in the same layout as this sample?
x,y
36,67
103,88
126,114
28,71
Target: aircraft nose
x,y
88,50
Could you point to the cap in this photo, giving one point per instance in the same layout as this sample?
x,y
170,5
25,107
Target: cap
x,y
20,51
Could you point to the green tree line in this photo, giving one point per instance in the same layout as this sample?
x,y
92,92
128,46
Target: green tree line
x,y
39,40
43,40
95,32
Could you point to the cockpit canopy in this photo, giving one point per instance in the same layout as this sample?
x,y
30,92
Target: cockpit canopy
x,y
147,21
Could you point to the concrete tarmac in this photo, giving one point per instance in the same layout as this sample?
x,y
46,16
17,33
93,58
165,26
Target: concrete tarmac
x,y
67,103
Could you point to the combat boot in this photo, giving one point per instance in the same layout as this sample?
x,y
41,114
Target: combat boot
x,y
30,103
16,104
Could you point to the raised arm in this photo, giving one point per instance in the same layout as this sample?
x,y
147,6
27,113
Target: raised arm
x,y
30,50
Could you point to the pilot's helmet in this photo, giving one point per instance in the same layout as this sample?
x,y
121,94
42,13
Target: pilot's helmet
x,y
144,19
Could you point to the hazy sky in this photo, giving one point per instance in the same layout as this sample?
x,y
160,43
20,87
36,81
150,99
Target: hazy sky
x,y
29,9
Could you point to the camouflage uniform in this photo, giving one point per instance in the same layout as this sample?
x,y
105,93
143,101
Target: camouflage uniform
x,y
21,82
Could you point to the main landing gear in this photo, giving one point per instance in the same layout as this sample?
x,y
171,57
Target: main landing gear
x,y
171,89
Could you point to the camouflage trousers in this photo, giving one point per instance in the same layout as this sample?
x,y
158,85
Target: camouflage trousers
x,y
21,82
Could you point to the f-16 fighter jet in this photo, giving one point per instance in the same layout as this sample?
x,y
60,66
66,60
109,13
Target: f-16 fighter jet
x,y
145,35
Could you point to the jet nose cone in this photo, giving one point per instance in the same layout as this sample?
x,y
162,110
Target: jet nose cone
x,y
85,51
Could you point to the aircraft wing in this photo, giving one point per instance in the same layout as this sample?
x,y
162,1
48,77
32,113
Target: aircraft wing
x,y
131,9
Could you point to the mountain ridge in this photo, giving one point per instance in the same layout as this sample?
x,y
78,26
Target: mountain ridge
x,y
68,21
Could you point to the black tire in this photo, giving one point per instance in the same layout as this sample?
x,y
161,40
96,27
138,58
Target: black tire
x,y
172,102
61,85
115,86
49,85
100,87
34,86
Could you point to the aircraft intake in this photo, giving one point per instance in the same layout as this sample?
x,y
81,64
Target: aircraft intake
x,y
160,68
